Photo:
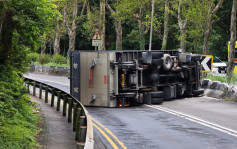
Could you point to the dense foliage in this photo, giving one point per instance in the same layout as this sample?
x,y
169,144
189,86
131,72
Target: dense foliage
x,y
17,119
42,59
128,11
22,24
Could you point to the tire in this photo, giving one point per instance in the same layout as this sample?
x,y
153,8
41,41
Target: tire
x,y
197,92
167,62
157,100
157,55
157,61
156,94
219,71
196,57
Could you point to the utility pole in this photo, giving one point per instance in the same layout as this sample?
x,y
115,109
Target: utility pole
x,y
152,14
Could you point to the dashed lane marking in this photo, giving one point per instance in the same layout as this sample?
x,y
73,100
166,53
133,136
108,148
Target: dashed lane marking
x,y
196,120
106,136
106,129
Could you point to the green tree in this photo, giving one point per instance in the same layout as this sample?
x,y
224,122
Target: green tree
x,y
138,10
232,40
72,21
24,21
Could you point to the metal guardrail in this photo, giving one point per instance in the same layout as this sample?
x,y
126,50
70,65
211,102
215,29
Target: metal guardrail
x,y
77,113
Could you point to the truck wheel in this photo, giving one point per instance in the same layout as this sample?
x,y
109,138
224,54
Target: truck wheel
x,y
157,55
168,62
157,100
156,94
197,92
157,61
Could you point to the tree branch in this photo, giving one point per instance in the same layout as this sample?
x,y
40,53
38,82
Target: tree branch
x,y
137,16
65,19
217,7
110,9
82,12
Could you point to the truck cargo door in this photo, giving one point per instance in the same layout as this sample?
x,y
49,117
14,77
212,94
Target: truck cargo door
x,y
75,75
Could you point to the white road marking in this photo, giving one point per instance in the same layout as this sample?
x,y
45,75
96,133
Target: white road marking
x,y
196,120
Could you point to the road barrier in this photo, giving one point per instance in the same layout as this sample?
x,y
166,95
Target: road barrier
x,y
77,113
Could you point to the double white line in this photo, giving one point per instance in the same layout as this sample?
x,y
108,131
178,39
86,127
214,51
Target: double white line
x,y
196,120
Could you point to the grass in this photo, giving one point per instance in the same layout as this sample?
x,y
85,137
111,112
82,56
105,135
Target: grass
x,y
223,79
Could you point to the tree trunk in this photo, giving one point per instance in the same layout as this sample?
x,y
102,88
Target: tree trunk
x,y
1,15
119,33
57,39
207,35
141,35
102,24
231,56
118,28
72,31
208,30
6,36
166,26
183,38
72,40
182,27
43,47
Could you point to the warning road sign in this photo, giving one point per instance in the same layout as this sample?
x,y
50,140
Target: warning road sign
x,y
96,36
206,63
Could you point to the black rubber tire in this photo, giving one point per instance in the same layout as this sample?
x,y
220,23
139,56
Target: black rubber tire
x,y
197,92
219,71
157,55
158,94
196,57
157,61
167,62
157,100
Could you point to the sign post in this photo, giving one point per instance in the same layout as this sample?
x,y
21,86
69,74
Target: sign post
x,y
96,39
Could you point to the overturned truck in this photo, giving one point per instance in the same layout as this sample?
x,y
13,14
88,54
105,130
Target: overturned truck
x,y
122,78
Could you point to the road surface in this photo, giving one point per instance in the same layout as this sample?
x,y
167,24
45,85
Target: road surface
x,y
202,122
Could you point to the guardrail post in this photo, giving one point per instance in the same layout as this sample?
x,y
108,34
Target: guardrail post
x,y
34,88
52,97
64,104
82,137
28,87
59,100
78,119
75,105
40,91
70,110
46,94
80,145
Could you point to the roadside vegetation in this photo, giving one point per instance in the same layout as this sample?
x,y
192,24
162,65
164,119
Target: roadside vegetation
x,y
22,23
17,118
223,79
48,60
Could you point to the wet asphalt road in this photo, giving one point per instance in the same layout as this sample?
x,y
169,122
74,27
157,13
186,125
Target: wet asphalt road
x,y
147,128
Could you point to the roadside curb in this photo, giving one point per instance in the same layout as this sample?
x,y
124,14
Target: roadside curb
x,y
219,90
